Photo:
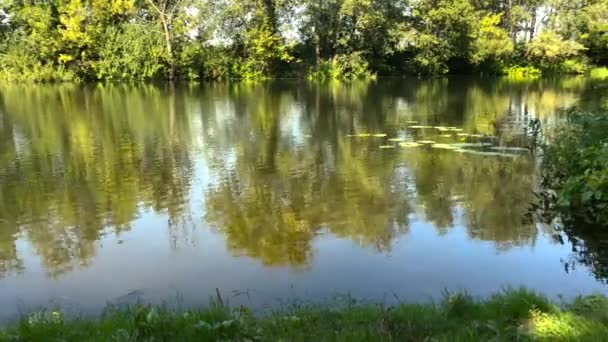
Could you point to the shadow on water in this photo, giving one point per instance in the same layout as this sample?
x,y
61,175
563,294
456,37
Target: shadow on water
x,y
272,160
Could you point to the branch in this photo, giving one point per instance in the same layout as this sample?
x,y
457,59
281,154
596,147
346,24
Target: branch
x,y
176,6
155,7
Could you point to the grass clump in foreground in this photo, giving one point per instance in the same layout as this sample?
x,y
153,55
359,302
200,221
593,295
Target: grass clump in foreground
x,y
507,316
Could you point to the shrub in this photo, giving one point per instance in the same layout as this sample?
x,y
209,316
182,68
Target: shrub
x,y
599,73
575,166
518,71
573,66
352,66
21,63
132,51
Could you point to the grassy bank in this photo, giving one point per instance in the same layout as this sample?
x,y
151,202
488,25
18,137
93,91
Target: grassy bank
x,y
506,316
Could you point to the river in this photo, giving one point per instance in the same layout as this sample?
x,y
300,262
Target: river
x,y
395,189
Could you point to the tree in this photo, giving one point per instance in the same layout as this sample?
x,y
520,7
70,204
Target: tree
x,y
492,43
167,12
549,49
594,32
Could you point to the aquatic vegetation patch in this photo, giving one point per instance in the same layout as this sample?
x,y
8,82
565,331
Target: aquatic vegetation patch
x,y
420,127
409,144
360,135
444,146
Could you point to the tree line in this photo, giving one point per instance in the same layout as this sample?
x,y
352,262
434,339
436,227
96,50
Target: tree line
x,y
254,39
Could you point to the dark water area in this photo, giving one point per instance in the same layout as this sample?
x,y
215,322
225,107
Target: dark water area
x,y
398,188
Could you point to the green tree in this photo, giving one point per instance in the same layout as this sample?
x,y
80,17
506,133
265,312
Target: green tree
x,y
549,49
492,44
167,13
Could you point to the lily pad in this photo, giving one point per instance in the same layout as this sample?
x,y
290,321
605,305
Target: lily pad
x,y
463,134
387,146
472,145
445,136
409,144
425,142
396,139
444,146
510,149
486,153
379,135
421,127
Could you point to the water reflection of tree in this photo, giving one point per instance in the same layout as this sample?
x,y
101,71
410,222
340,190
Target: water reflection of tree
x,y
272,210
278,192
77,162
494,192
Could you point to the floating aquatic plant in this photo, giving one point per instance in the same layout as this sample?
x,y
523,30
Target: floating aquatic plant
x,y
360,135
409,144
444,146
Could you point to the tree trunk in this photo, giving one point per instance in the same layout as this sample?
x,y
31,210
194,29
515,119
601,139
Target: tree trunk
x,y
317,50
533,24
169,47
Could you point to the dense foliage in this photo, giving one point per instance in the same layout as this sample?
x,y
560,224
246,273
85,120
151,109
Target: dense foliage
x,y
576,167
252,39
575,181
511,315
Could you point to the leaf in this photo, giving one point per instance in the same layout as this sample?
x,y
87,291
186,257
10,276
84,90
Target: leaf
x,y
563,202
587,196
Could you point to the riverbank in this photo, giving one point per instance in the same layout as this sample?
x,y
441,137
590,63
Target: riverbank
x,y
508,315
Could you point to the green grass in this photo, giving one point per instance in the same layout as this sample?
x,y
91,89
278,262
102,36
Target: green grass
x,y
511,315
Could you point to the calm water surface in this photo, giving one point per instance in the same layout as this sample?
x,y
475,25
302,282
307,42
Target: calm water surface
x,y
275,191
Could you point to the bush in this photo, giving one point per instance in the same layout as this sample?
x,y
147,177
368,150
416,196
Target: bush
x,y
352,66
132,51
575,166
20,63
599,73
518,71
573,66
